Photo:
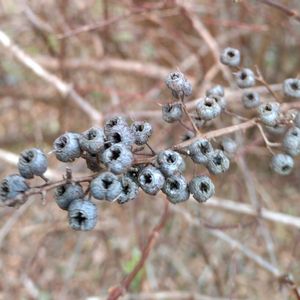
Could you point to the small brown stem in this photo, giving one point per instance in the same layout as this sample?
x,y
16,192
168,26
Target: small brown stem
x,y
196,130
291,13
44,178
151,149
68,175
261,79
269,144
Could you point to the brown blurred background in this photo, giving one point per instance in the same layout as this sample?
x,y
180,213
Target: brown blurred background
x,y
116,54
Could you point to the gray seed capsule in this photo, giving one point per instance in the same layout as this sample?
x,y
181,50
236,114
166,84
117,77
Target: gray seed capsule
x,y
291,87
66,193
141,131
291,141
202,188
113,122
268,113
151,180
66,147
282,164
230,57
208,109
82,215
170,162
121,134
117,158
251,99
220,100
178,84
245,78
199,151
172,112
129,190
217,162
176,189
106,186
229,146
277,129
215,90
11,187
92,140
32,162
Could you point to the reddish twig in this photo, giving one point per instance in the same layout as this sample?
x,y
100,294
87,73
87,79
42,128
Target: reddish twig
x,y
117,292
195,128
261,79
289,12
105,23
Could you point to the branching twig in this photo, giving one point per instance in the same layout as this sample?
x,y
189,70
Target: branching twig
x,y
195,128
269,144
261,79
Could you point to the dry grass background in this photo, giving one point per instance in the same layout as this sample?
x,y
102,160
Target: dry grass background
x,y
119,68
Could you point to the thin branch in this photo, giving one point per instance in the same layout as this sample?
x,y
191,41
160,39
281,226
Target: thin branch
x,y
108,64
8,225
289,12
219,132
234,244
41,189
195,128
63,88
164,295
205,34
262,80
269,144
102,24
117,292
241,208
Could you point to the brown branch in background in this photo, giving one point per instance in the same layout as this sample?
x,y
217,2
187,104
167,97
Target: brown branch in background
x,y
65,89
206,36
150,70
102,24
117,292
289,12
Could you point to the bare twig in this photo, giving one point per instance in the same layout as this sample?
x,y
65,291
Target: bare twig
x,y
117,292
262,80
269,144
108,63
38,190
165,295
219,132
5,229
289,12
102,24
241,208
205,34
66,90
195,128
